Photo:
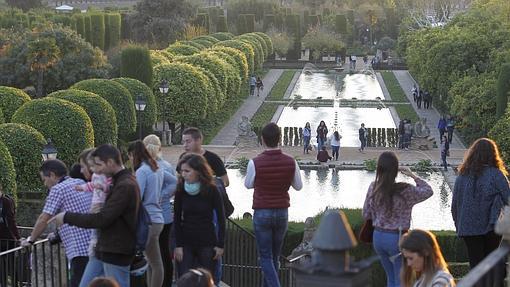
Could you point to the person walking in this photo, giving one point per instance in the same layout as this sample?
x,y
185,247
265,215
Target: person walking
x,y
427,99
450,127
322,135
424,264
335,144
362,135
445,151
307,135
441,126
271,174
260,86
479,194
150,179
389,204
196,200
153,145
116,221
408,133
253,84
414,91
419,99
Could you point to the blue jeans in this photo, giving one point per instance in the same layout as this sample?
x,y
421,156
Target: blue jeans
x,y
96,268
386,246
306,144
335,151
270,226
320,143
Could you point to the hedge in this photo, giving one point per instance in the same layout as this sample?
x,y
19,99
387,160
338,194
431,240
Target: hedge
x,y
207,38
136,88
25,144
97,32
136,63
100,112
267,39
256,38
10,100
503,89
88,28
120,99
159,57
106,33
221,24
7,172
114,24
64,122
202,42
211,63
216,96
181,49
80,24
223,36
233,82
269,22
186,101
229,59
125,30
197,45
258,56
247,49
202,20
500,133
293,26
239,57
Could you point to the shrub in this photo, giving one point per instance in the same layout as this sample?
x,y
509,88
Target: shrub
x,y
197,45
119,98
88,28
212,63
202,42
186,101
250,23
247,50
267,39
97,31
136,88
503,89
125,31
106,33
135,62
80,24
221,24
238,56
501,134
227,58
207,38
181,49
100,112
159,57
223,36
215,95
10,100
269,20
260,40
24,144
292,24
2,119
64,122
258,56
7,172
114,24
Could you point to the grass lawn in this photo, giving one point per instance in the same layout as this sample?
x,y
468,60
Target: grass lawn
x,y
398,95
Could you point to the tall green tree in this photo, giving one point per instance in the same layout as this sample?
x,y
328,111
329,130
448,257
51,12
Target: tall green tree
x,y
503,89
43,53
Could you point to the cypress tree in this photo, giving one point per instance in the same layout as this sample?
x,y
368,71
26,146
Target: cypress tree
x,y
88,28
80,24
221,25
135,62
503,90
106,32
97,30
114,24
250,23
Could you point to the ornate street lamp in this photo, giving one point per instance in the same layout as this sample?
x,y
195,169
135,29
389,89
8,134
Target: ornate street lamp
x,y
140,105
49,151
164,89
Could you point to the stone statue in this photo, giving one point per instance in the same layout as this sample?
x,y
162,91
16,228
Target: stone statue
x,y
246,136
421,129
305,247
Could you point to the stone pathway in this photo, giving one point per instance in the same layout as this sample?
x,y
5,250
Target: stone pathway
x,y
406,81
228,133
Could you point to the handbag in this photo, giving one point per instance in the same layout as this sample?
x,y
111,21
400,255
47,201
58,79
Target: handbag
x,y
366,232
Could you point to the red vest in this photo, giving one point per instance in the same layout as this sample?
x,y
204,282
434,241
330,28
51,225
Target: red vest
x,y
274,172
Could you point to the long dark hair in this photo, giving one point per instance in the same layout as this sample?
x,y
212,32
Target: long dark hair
x,y
385,187
199,164
482,153
140,154
337,135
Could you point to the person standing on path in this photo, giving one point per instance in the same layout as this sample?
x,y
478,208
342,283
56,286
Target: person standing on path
x,y
414,91
450,127
480,192
307,135
408,133
401,133
335,144
445,151
419,99
441,126
322,135
362,135
271,174
260,86
253,84
389,205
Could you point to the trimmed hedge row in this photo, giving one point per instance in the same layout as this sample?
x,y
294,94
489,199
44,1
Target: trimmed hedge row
x,y
223,36
24,144
136,63
11,99
100,112
182,49
238,56
158,57
7,172
65,123
97,31
244,47
119,98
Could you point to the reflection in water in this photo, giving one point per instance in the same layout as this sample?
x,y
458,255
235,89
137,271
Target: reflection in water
x,y
346,188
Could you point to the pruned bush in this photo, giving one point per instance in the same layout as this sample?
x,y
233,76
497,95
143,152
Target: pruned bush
x,y
158,57
238,56
267,39
65,123
247,50
88,28
500,133
135,62
197,44
97,32
207,38
119,98
114,24
7,172
223,36
24,144
216,96
258,56
202,42
256,38
137,88
100,112
181,49
10,100
186,100
221,24
80,24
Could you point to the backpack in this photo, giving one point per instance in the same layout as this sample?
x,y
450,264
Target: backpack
x,y
228,207
143,223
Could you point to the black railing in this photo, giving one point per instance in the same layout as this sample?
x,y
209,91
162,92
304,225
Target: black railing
x,y
240,262
489,272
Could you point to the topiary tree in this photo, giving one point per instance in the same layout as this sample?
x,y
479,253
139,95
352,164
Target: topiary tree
x,y
88,28
245,48
267,39
97,32
114,24
100,112
202,42
221,24
216,97
7,172
501,134
223,36
195,44
137,88
135,62
24,144
80,24
181,49
207,38
64,122
238,56
186,100
10,100
158,57
256,38
106,33
229,59
250,23
258,56
120,99
503,89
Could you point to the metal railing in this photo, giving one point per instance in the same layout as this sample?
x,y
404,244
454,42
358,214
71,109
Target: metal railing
x,y
490,272
240,262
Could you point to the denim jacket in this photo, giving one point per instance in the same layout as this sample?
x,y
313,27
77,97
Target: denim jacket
x,y
150,183
168,190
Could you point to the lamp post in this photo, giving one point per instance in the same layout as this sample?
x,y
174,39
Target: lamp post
x,y
164,88
49,151
140,105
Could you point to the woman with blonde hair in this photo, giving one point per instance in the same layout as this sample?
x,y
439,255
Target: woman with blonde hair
x,y
424,265
480,192
153,146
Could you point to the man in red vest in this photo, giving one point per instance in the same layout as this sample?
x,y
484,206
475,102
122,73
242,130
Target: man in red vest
x,y
271,173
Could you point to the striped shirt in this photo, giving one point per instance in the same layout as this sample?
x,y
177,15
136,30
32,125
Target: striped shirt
x,y
63,197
